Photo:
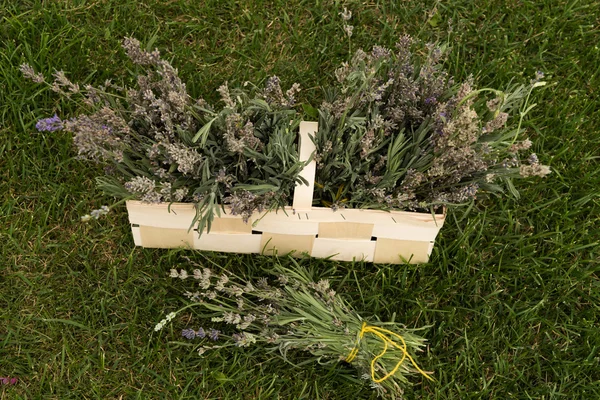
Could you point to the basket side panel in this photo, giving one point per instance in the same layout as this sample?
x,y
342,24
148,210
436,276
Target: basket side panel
x,y
230,225
283,244
137,237
231,243
280,224
175,216
391,251
165,238
402,231
344,249
345,230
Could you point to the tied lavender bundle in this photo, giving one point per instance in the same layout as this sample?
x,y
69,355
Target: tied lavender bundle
x,y
158,144
293,312
398,133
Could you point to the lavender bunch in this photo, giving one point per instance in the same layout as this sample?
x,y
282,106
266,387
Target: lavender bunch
x,y
289,312
158,144
397,132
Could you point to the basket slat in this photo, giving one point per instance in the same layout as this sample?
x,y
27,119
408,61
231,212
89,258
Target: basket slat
x,y
274,243
229,243
155,237
345,230
391,251
303,194
344,250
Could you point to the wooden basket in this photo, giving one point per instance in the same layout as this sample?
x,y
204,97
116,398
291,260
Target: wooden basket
x,y
348,234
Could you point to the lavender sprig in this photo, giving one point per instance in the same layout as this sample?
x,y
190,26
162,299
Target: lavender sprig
x,y
49,124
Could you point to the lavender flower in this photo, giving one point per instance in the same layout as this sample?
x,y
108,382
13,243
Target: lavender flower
x,y
273,94
380,52
188,333
291,93
95,214
493,104
533,159
165,321
348,29
49,124
200,333
465,193
134,51
539,75
346,14
237,337
213,334
496,123
540,170
62,82
243,339
100,136
98,213
520,146
180,194
404,42
226,96
29,73
140,184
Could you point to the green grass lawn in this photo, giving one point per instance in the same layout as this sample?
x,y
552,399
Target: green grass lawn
x,y
512,291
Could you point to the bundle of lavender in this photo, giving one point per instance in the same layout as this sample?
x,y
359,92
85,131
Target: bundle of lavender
x,y
292,311
157,143
398,132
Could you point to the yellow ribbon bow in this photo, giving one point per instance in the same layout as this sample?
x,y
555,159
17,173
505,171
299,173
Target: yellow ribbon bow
x,y
385,336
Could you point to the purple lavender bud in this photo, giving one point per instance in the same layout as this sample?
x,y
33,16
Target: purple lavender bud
x,y
273,83
404,43
95,214
533,159
201,334
49,124
107,128
431,100
379,52
539,75
188,333
213,334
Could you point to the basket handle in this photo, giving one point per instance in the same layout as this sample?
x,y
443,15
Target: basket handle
x,y
303,194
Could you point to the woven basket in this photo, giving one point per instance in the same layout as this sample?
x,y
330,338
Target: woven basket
x,y
348,234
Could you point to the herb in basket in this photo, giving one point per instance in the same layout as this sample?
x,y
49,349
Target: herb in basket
x,y
397,132
158,144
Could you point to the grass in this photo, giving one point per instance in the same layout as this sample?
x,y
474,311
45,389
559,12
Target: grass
x,y
512,291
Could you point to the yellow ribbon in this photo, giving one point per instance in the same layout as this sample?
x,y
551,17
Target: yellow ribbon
x,y
381,334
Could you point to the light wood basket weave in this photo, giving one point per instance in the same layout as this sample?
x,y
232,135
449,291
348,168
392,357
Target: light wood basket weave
x,y
347,234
